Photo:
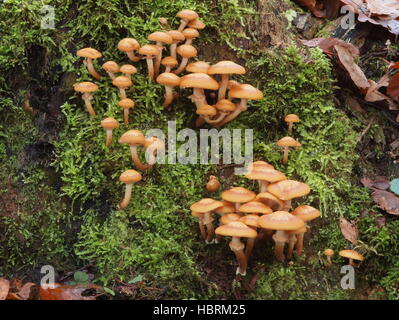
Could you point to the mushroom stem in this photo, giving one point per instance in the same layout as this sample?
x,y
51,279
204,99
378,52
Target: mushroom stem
x,y
262,185
128,195
238,248
237,206
290,124
351,263
198,97
158,59
223,86
218,119
90,67
286,205
87,97
280,244
168,69
122,92
299,245
108,141
291,244
182,66
111,75
173,48
126,116
329,261
183,24
136,159
150,65
218,238
240,108
286,150
133,57
249,247
168,96
202,227
209,226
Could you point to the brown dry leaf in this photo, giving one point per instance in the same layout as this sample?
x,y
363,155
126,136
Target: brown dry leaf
x,y
387,201
394,65
349,230
4,288
67,292
24,293
313,7
348,61
393,87
327,45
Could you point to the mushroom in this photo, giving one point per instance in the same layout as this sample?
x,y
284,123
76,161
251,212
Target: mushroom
x,y
328,253
287,190
213,184
238,195
224,107
190,34
111,67
126,104
196,24
128,70
252,221
306,213
109,124
225,209
129,45
169,63
134,138
281,221
351,255
87,88
198,67
153,147
205,112
244,92
122,83
186,51
177,37
129,177
164,23
225,68
264,176
237,230
286,143
229,217
270,200
292,239
186,16
90,54
169,80
206,206
150,52
255,207
160,37
291,119
200,217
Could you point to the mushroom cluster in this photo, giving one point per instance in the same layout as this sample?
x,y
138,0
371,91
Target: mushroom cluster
x,y
244,214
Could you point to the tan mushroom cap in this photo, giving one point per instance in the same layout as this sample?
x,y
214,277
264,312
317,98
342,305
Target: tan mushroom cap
x,y
328,252
130,176
187,14
351,254
230,217
198,67
292,118
176,35
132,138
197,214
206,110
154,142
111,66
109,123
288,142
261,163
128,69
197,24
245,91
269,200
306,213
169,62
288,189
226,67
265,174
126,103
227,207
198,80
232,83
205,205
251,220
122,82
236,229
298,231
86,86
255,207
186,51
160,36
90,53
225,105
128,44
281,220
190,33
238,195
168,79
149,50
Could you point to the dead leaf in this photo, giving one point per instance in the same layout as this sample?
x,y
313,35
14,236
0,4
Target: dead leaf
x,y
381,183
393,87
327,45
313,7
4,288
387,201
349,230
67,292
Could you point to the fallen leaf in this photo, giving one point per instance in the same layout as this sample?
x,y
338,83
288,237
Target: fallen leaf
x,y
387,201
67,292
327,45
4,288
349,230
393,87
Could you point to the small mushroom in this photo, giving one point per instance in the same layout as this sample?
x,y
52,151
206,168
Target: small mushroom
x,y
122,83
169,80
328,253
129,45
237,230
286,143
186,16
186,51
150,52
205,112
225,107
90,54
238,195
129,177
196,24
169,63
190,34
252,221
109,124
177,37
351,255
128,70
87,88
264,176
287,190
164,23
134,138
213,184
255,207
126,104
111,67
199,82
225,209
198,67
291,119
160,37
